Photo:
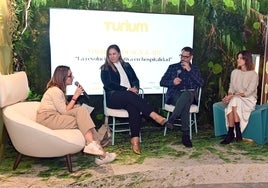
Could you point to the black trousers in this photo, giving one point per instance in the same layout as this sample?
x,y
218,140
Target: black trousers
x,y
134,105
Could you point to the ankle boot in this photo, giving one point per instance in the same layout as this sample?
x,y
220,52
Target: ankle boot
x,y
238,133
158,119
135,145
186,141
229,137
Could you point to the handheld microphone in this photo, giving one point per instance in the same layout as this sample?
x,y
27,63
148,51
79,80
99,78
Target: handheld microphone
x,y
84,92
178,72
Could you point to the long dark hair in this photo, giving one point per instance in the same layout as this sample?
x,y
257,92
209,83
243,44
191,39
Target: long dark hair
x,y
59,78
247,56
108,63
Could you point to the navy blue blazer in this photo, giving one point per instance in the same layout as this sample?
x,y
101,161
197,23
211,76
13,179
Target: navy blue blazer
x,y
111,79
191,79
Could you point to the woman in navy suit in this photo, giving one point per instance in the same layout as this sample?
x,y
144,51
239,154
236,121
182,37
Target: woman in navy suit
x,y
121,86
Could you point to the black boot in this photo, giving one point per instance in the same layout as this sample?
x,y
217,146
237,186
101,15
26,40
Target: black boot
x,y
186,141
229,137
238,133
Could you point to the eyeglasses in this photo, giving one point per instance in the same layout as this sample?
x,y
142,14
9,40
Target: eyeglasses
x,y
185,57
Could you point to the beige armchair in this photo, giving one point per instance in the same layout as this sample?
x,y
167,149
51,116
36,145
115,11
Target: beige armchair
x,y
29,137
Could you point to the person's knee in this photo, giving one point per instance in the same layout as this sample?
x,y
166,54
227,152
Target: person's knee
x,y
82,110
187,96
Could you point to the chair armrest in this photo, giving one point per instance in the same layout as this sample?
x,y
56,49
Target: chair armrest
x,y
141,92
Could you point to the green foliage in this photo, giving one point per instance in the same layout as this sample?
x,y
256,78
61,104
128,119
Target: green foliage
x,y
39,3
34,96
128,3
230,4
190,2
222,28
256,25
216,68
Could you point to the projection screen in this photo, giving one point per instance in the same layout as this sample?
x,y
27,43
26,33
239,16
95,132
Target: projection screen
x,y
149,42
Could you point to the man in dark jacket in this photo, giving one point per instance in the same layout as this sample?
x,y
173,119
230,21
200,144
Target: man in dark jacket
x,y
182,80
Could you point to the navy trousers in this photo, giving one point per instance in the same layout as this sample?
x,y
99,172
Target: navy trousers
x,y
134,105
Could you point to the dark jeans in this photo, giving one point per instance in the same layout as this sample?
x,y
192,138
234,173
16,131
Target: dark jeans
x,y
134,105
182,102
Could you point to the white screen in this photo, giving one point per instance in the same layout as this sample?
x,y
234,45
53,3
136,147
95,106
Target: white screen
x,y
149,42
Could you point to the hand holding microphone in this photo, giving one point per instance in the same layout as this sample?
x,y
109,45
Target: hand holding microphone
x,y
177,80
84,92
178,72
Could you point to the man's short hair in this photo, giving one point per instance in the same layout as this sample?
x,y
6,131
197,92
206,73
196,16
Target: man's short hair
x,y
188,49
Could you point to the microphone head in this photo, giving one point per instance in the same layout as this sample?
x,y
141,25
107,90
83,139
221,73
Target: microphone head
x,y
179,71
76,83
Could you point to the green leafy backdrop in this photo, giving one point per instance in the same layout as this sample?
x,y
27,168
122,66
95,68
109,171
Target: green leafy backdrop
x,y
222,28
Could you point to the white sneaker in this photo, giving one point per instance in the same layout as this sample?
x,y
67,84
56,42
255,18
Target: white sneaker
x,y
108,158
93,148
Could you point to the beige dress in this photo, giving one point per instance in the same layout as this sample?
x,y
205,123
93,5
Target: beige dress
x,y
247,83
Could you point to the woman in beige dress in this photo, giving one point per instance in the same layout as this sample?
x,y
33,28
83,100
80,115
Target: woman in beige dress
x,y
242,96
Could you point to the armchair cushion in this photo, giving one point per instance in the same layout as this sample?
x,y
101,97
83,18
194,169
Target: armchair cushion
x,y
13,88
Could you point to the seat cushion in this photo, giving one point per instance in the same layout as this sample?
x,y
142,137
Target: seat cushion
x,y
116,113
193,109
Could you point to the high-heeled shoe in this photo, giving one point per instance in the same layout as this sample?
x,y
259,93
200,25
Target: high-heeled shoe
x,y
169,125
159,119
135,145
163,122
